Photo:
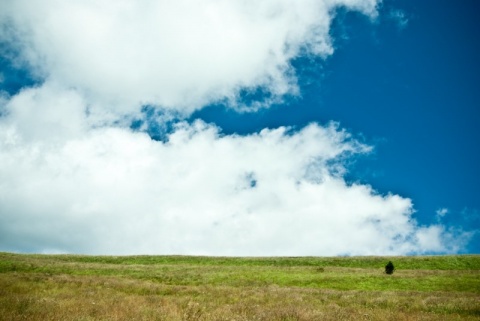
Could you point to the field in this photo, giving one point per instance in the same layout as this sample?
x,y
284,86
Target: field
x,y
70,287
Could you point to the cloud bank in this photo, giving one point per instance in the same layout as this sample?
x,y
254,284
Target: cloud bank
x,y
67,187
180,55
74,177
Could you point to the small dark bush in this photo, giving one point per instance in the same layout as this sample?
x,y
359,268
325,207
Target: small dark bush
x,y
389,268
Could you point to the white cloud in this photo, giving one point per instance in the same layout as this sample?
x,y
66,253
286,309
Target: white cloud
x,y
399,17
180,54
111,190
441,212
47,113
438,239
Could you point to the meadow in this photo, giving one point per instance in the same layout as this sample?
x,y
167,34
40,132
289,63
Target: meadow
x,y
75,287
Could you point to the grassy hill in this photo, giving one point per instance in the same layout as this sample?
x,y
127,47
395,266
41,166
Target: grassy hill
x,y
73,287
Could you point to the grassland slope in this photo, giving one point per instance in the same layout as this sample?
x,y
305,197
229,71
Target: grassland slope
x,y
78,287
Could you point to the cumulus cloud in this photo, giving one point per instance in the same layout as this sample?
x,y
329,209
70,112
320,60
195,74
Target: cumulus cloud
x,y
74,188
180,55
74,177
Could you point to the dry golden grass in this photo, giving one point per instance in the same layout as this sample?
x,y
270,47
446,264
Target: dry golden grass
x,y
77,288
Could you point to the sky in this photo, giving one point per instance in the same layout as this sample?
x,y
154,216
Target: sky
x,y
239,128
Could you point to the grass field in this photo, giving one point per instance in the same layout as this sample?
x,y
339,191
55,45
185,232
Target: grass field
x,y
70,287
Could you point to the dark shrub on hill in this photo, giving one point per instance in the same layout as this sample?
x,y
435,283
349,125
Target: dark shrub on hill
x,y
389,268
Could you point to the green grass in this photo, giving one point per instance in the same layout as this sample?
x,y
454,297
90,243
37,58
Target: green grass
x,y
222,288
453,262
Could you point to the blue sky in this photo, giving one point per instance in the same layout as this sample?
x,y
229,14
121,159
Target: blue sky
x,y
131,156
